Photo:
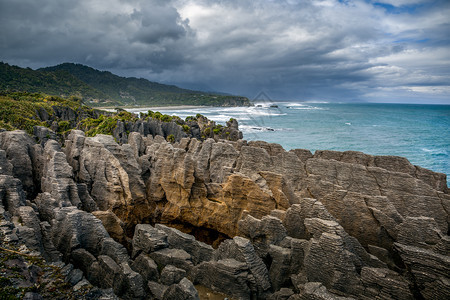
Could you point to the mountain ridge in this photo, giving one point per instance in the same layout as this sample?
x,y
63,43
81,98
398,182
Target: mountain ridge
x,y
103,88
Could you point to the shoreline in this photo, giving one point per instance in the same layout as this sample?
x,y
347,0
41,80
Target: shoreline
x,y
154,108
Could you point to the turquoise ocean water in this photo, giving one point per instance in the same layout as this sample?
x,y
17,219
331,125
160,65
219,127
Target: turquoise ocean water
x,y
421,133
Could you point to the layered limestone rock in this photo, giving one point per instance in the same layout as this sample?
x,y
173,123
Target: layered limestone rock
x,y
283,224
111,174
22,153
195,184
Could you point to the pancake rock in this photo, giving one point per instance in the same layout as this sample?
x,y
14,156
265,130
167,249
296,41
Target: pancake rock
x,y
148,218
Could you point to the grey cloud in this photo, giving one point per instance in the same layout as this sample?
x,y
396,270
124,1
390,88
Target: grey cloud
x,y
158,21
291,49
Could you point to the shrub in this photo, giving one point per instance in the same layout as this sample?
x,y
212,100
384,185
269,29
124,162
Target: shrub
x,y
171,138
63,126
126,116
217,129
102,125
166,118
186,128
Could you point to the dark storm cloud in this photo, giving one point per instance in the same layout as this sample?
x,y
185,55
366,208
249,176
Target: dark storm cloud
x,y
113,34
306,50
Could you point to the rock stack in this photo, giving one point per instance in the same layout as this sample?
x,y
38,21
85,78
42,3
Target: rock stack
x,y
151,219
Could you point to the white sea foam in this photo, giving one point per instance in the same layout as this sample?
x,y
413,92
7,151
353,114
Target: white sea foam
x,y
220,118
317,101
254,128
435,151
308,108
292,104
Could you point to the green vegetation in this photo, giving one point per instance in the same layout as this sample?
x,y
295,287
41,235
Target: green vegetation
x,y
186,128
105,124
102,125
171,138
60,83
63,126
207,131
217,129
104,88
190,118
162,117
22,110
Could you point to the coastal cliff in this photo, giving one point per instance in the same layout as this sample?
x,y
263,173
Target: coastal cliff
x,y
138,215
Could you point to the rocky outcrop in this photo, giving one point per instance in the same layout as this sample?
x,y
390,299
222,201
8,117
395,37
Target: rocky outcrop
x,y
153,218
23,155
174,130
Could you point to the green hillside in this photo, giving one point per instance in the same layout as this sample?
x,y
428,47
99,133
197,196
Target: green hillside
x,y
59,82
101,88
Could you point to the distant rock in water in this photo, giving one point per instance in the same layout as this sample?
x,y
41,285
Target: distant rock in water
x,y
158,208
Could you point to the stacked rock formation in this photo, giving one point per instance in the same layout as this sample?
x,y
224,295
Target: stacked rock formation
x,y
159,220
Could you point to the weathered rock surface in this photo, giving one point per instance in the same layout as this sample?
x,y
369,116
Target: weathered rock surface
x,y
22,154
229,276
283,224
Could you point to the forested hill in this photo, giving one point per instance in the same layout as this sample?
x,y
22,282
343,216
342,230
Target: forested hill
x,y
101,88
58,83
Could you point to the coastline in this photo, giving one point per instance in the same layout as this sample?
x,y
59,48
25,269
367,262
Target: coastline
x,y
213,177
154,108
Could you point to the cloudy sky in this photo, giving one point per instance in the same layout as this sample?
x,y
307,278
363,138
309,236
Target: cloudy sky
x,y
347,50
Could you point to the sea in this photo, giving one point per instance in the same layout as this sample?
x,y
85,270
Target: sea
x,y
421,133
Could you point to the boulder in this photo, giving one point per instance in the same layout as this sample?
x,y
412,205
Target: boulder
x,y
316,291
282,294
172,275
242,250
148,239
176,257
184,290
156,290
147,267
176,239
227,276
132,283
